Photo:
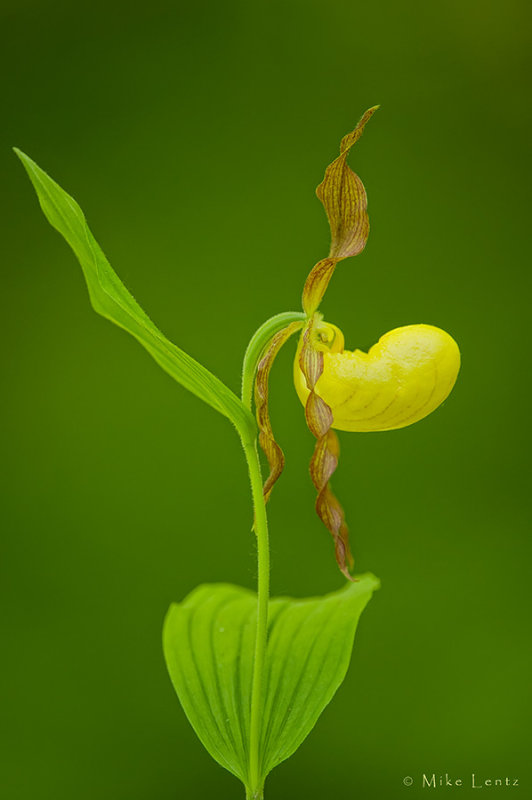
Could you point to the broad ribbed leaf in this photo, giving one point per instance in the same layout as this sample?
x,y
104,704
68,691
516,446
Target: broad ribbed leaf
x,y
111,299
209,642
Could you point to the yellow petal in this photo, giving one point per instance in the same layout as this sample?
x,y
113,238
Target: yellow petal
x,y
403,378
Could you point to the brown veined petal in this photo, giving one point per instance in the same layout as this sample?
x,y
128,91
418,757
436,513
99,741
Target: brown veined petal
x,y
271,449
344,198
326,452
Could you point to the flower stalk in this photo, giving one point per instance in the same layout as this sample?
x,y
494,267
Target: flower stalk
x,y
277,329
263,598
257,344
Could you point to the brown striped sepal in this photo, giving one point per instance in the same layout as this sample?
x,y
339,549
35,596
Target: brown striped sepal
x,y
344,199
271,449
326,452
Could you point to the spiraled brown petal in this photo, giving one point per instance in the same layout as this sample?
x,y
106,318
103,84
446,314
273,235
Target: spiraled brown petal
x,y
326,452
325,459
344,199
319,415
310,359
317,282
331,513
271,449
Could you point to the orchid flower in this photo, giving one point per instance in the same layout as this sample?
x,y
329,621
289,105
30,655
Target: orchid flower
x,y
403,378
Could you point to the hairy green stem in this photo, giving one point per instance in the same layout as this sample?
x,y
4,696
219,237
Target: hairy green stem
x,y
263,597
256,345
252,357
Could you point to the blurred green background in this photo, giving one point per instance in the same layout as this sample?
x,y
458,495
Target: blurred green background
x,y
193,135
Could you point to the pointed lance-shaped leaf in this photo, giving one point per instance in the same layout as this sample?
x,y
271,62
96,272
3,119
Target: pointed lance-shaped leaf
x,y
111,299
271,449
344,199
326,452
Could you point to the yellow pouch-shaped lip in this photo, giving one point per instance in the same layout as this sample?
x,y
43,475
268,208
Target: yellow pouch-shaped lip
x,y
405,376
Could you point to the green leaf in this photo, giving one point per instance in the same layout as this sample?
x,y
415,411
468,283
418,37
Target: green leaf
x,y
111,299
209,642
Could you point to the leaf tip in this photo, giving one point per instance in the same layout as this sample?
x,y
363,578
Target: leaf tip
x,y
29,165
22,157
368,578
20,154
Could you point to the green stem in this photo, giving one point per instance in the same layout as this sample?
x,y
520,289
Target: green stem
x,y
257,343
263,597
253,354
253,796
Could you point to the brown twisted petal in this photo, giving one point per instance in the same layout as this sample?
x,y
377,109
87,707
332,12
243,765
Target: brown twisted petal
x,y
271,449
344,198
326,452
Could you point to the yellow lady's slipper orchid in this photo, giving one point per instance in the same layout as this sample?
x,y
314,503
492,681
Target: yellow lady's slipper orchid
x,y
403,378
